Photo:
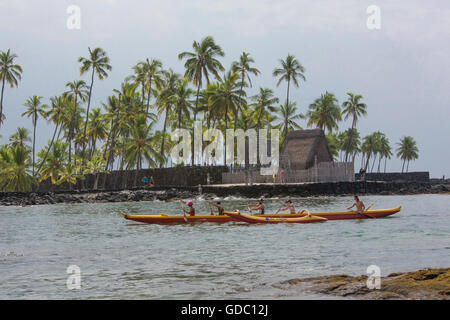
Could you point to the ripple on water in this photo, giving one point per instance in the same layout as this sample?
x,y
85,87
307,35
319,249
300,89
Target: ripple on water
x,y
121,259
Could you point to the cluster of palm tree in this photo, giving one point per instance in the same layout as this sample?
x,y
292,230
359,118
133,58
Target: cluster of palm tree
x,y
121,133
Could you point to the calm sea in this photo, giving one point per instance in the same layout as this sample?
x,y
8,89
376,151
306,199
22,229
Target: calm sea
x,y
121,259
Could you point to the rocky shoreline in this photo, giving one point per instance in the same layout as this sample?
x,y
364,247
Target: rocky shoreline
x,y
425,284
222,191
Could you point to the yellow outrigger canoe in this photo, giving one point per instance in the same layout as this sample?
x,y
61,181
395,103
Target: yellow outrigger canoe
x,y
163,218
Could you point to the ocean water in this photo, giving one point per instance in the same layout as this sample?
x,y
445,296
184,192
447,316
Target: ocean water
x,y
122,259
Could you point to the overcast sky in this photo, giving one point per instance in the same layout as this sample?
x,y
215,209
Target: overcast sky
x,y
402,69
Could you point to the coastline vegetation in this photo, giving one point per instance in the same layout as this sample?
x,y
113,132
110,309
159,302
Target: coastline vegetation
x,y
121,133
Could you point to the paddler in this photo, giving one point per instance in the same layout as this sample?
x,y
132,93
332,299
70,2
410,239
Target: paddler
x,y
190,204
257,206
360,207
219,207
305,211
289,206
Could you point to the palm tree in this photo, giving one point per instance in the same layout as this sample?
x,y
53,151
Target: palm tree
x,y
370,147
201,62
264,104
350,141
407,150
70,174
334,145
290,70
96,128
54,115
166,100
10,73
324,112
98,63
139,146
54,161
226,98
19,138
113,113
289,118
77,90
385,151
182,101
95,166
243,68
14,168
355,109
152,71
146,73
34,110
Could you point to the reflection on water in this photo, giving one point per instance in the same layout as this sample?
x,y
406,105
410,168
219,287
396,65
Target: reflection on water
x,y
122,259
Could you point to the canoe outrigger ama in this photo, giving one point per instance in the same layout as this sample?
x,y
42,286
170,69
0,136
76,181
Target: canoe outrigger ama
x,y
163,218
237,216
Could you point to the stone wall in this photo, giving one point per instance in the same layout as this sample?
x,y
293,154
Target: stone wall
x,y
319,189
396,176
322,172
164,177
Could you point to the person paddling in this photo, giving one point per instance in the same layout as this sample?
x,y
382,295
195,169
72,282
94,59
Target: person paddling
x,y
257,206
219,207
360,207
190,204
305,211
289,206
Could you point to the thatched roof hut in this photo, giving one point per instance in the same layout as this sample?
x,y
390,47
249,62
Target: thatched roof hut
x,y
301,148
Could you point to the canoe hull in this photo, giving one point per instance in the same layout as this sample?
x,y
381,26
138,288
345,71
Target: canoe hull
x,y
165,219
236,216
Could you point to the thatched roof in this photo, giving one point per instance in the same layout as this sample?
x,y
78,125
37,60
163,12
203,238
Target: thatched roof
x,y
301,147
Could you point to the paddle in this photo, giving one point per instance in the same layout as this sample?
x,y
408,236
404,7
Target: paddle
x,y
211,208
367,215
250,209
184,212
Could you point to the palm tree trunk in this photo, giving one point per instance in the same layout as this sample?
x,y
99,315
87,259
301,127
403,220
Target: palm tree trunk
x,y
34,140
94,147
113,133
124,178
258,160
149,94
71,128
350,138
226,127
367,162
136,174
373,163
195,118
1,101
403,166
164,137
287,96
385,160
143,92
87,116
379,163
96,175
48,150
407,166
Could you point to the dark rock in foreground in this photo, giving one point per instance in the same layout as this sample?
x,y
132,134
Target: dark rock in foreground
x,y
422,284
